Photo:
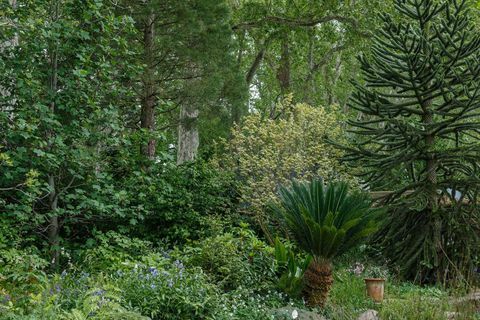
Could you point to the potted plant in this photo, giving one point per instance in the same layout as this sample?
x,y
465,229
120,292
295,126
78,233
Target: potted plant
x,y
375,278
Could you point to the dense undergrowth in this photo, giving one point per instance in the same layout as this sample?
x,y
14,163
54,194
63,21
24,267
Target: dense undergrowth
x,y
229,275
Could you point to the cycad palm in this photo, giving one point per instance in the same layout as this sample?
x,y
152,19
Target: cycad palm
x,y
326,221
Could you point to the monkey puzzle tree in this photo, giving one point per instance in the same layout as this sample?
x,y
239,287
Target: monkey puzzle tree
x,y
418,123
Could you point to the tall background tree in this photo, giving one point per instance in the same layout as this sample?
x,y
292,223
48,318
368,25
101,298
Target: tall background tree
x,y
303,47
417,134
190,80
65,78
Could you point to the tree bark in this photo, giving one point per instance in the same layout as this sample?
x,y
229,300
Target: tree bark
x,y
53,224
256,62
188,137
149,94
283,76
283,72
431,177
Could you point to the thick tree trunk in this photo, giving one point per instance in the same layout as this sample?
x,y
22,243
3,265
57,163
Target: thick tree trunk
x,y
188,137
149,94
310,87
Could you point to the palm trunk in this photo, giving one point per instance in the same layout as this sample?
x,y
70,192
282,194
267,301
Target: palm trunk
x,y
318,282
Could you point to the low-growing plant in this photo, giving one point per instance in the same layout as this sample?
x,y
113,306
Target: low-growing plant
x,y
347,298
109,251
175,292
379,272
415,308
22,274
246,304
101,303
291,269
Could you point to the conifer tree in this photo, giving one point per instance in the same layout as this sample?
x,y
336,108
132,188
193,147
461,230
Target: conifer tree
x,y
418,122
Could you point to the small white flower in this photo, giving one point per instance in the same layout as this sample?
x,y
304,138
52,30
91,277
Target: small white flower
x,y
294,314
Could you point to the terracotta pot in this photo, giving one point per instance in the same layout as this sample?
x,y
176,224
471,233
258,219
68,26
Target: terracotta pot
x,y
375,288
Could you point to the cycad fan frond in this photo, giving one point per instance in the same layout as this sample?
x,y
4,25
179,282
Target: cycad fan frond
x,y
327,220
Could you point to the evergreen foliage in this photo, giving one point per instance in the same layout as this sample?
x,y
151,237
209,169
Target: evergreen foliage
x,y
265,154
326,222
418,123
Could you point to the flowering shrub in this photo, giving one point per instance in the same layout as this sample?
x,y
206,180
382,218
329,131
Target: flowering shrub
x,y
175,292
266,153
160,285
245,304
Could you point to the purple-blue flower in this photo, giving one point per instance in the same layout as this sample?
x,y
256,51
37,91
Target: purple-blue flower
x,y
100,292
153,271
6,298
178,264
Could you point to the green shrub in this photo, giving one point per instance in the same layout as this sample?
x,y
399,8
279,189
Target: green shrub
x,y
22,274
109,251
234,259
266,153
174,200
174,292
